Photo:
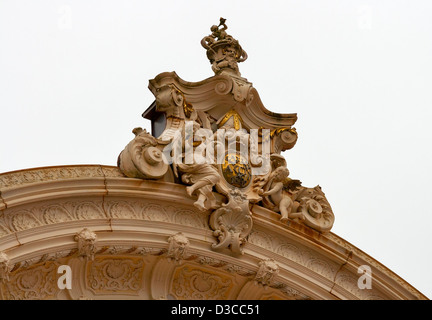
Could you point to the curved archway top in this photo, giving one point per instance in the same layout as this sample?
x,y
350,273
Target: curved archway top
x,y
43,210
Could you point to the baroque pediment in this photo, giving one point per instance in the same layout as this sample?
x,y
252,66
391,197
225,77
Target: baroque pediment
x,y
216,136
220,94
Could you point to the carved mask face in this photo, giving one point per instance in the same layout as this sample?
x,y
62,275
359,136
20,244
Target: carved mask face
x,y
230,52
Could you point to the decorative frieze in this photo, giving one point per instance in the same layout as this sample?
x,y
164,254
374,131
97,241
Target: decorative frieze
x,y
120,275
192,283
38,175
38,282
16,220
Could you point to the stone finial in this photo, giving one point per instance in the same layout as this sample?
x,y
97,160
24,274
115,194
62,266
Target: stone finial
x,y
4,267
268,270
223,51
178,246
86,243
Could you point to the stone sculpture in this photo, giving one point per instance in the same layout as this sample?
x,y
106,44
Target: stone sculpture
x,y
281,199
86,240
178,245
218,138
267,272
223,51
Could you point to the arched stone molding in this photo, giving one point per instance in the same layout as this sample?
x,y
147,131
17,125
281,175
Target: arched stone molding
x,y
43,209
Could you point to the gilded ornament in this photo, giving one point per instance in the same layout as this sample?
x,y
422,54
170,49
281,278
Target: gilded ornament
x,y
236,171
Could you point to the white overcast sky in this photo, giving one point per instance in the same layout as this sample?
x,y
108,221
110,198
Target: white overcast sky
x,y
74,77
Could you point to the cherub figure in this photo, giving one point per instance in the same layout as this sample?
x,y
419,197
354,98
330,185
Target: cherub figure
x,y
229,60
200,176
217,33
282,201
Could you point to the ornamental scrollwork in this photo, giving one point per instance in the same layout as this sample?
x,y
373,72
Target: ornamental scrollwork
x,y
216,137
232,223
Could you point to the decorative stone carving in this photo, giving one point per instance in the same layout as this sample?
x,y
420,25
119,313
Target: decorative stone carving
x,y
115,274
178,245
23,220
88,210
291,292
281,200
268,270
5,267
56,214
232,223
283,139
53,256
191,283
36,175
3,229
36,283
294,252
229,144
201,178
86,243
315,208
122,210
143,157
172,102
223,51
287,196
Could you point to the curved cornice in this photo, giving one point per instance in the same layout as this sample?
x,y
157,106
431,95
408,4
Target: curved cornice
x,y
43,209
219,94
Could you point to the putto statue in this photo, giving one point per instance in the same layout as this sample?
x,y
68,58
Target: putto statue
x,y
223,51
216,138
